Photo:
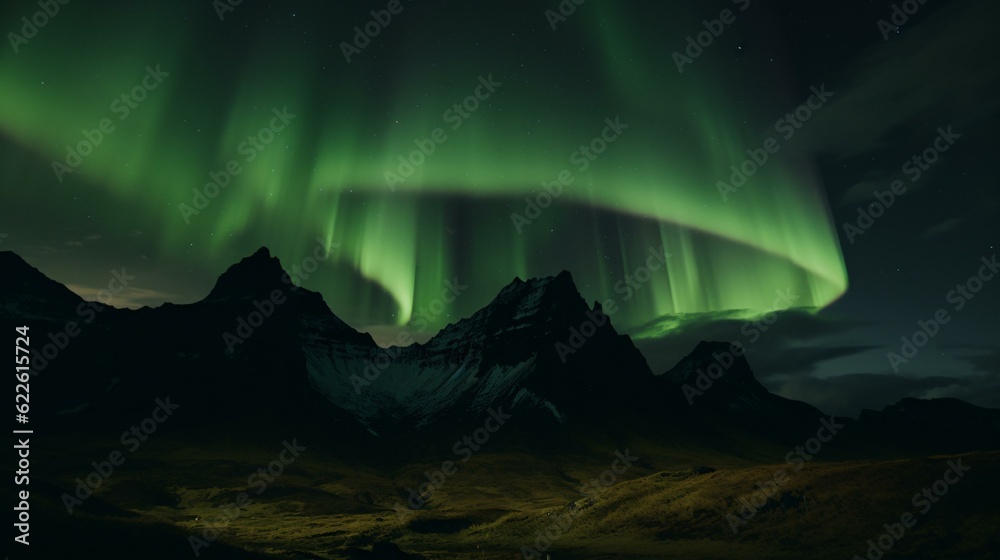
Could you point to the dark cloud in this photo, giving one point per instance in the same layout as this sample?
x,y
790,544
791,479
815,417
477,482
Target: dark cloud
x,y
790,344
800,360
942,228
862,192
890,96
986,360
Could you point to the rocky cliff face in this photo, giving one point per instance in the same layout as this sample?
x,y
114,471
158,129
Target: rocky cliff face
x,y
510,353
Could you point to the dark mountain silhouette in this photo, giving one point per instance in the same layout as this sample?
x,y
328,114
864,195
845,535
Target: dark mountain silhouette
x,y
260,348
930,426
716,382
30,295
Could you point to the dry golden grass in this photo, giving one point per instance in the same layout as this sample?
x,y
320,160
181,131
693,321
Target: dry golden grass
x,y
495,504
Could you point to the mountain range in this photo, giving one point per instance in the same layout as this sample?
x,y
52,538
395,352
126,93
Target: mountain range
x,y
258,347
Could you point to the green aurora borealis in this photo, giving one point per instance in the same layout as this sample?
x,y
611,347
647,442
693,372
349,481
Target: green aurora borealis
x,y
324,174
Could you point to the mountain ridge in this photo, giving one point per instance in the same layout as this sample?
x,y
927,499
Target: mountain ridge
x,y
508,355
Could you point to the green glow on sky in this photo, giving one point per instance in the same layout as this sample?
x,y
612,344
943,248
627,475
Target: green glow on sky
x,y
323,175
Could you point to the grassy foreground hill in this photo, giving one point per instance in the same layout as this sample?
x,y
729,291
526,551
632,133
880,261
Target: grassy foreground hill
x,y
171,495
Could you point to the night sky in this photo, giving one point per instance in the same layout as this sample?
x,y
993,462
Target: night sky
x,y
117,117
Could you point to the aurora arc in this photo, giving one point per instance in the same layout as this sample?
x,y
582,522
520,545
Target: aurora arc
x,y
324,175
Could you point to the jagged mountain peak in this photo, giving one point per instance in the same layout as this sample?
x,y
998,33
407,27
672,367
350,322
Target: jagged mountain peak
x,y
718,374
255,275
523,302
258,275
735,370
560,282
